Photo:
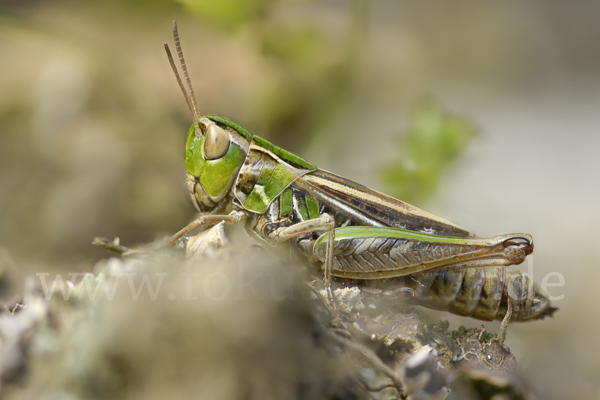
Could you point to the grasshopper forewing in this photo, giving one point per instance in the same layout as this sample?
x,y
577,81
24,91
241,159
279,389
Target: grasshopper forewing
x,y
349,230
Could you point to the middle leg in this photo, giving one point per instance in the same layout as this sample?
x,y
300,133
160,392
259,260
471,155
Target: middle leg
x,y
324,223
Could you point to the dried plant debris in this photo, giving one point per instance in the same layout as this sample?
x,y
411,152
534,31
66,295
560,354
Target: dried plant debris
x,y
211,244
226,324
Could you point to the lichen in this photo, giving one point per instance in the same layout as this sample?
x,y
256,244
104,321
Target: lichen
x,y
228,323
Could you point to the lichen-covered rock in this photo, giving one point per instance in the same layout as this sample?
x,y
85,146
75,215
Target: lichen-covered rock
x,y
393,329
225,324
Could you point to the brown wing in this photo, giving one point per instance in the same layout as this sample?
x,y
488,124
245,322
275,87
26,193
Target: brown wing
x,y
369,207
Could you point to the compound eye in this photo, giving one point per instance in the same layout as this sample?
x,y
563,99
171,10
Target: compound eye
x,y
216,143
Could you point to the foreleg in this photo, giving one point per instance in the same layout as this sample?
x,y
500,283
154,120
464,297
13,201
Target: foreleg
x,y
202,220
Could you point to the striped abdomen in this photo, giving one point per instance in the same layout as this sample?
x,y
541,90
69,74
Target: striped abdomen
x,y
480,293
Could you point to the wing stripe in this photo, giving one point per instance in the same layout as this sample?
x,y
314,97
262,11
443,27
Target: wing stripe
x,y
369,207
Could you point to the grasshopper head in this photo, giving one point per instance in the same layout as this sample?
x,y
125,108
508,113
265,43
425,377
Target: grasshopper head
x,y
215,149
214,153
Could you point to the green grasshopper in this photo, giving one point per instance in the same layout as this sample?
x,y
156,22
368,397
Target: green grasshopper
x,y
350,231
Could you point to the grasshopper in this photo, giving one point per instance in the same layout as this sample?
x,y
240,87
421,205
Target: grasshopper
x,y
352,232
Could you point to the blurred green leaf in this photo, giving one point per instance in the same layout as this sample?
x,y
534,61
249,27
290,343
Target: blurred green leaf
x,y
434,141
292,44
229,14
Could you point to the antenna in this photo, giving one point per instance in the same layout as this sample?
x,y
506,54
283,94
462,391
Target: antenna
x,y
190,99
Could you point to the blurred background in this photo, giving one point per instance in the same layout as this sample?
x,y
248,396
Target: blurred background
x,y
485,113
